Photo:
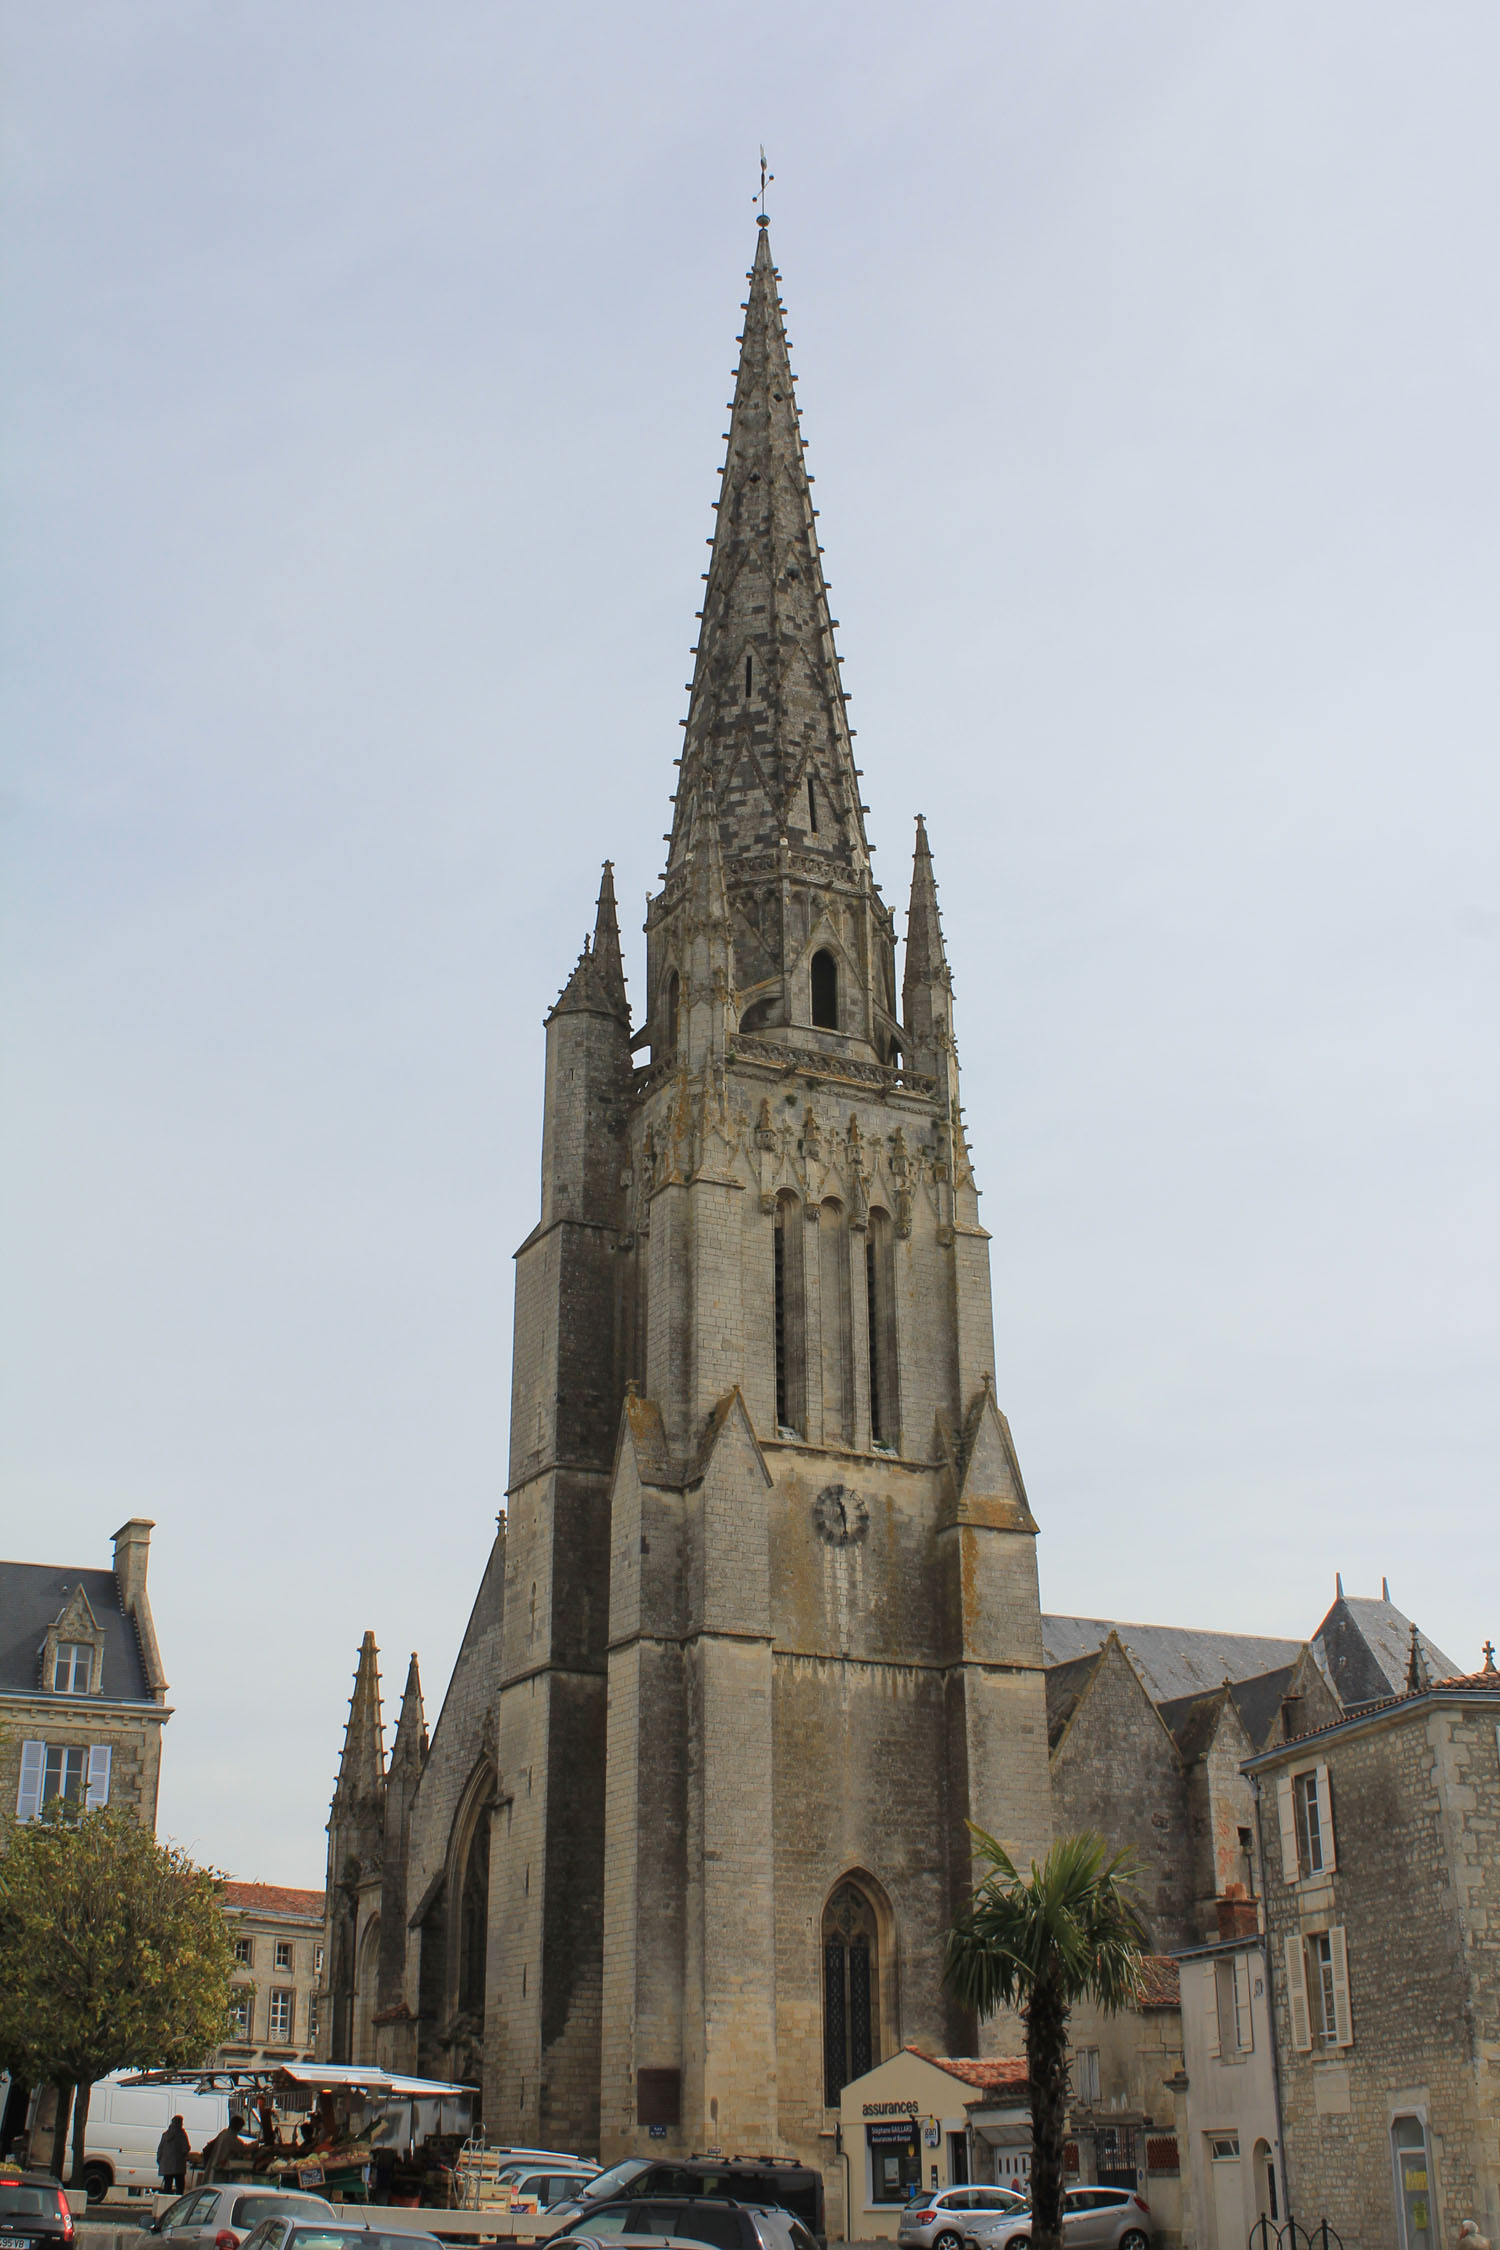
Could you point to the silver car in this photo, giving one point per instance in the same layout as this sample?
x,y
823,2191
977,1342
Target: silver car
x,y
205,2215
941,2220
1093,2218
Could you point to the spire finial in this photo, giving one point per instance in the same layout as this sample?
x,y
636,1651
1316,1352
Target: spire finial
x,y
1489,1656
765,176
1418,1677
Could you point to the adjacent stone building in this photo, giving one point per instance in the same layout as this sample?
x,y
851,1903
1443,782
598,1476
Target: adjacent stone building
x,y
83,1696
277,1940
1382,1875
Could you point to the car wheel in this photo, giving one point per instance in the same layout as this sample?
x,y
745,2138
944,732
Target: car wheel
x,y
97,2181
1023,2242
1133,2239
947,2240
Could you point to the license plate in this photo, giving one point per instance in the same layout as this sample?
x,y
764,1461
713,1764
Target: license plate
x,y
17,2241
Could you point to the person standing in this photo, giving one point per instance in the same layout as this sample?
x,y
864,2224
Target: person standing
x,y
172,2152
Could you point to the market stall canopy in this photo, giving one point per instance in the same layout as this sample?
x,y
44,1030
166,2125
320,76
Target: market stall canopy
x,y
314,2078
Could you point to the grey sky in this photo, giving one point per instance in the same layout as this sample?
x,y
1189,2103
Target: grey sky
x,y
363,376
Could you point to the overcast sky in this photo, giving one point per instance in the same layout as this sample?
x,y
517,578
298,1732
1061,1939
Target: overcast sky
x,y
364,370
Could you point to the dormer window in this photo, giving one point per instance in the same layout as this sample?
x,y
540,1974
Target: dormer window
x,y
73,1668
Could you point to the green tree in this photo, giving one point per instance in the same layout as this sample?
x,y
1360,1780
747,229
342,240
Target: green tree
x,y
1070,1931
113,1950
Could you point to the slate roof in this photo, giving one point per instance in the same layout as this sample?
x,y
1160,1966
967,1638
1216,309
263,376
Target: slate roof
x,y
270,1898
1065,1686
1173,1660
32,1595
1365,1647
1193,1718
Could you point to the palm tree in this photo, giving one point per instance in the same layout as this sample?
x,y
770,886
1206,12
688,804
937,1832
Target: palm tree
x,y
1070,1931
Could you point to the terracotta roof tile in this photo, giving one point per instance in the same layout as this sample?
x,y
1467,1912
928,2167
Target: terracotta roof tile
x,y
992,2074
1160,1985
269,1898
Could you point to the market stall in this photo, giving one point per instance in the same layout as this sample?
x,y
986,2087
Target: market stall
x,y
344,2130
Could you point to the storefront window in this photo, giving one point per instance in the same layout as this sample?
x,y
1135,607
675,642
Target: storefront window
x,y
895,2160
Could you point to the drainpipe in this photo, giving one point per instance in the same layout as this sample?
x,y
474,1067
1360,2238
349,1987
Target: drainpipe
x,y
1260,1845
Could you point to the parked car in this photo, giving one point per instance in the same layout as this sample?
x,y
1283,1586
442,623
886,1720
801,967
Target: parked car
x,y
701,2219
535,2187
937,2222
220,2217
761,2180
1094,2218
34,2211
302,2234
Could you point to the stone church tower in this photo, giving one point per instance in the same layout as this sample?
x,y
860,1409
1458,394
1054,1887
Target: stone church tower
x,y
761,1632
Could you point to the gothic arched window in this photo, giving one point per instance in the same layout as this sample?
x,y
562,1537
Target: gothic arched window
x,y
825,991
674,990
851,1989
474,1915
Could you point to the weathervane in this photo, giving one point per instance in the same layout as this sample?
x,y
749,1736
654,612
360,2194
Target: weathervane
x,y
764,177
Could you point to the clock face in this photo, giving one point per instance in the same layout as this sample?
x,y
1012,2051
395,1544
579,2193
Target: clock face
x,y
840,1516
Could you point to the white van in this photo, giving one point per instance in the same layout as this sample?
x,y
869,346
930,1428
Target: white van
x,y
126,2122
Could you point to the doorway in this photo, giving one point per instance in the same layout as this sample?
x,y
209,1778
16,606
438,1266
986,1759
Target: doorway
x,y
1226,2192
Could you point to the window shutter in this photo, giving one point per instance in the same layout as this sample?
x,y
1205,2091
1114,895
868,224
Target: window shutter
x,y
33,1769
1325,1819
1343,2027
1243,2024
1211,2004
1296,1992
1288,1819
98,1789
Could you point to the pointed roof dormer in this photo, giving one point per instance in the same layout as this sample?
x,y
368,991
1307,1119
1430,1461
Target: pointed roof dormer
x,y
767,720
362,1764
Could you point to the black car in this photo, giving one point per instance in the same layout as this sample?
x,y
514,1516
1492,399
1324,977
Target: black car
x,y
762,2180
711,2220
34,2213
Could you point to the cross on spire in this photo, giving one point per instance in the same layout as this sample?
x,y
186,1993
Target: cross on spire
x,y
764,177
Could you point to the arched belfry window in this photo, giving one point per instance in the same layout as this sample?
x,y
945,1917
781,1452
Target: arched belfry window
x,y
834,1302
672,1008
790,1316
880,1318
851,1989
825,990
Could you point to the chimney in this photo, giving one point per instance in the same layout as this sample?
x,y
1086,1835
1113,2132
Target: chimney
x,y
132,1549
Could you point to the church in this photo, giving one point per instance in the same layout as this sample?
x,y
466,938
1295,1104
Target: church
x,y
760,1631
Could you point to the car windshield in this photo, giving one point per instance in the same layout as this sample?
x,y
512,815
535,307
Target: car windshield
x,y
20,2199
612,2182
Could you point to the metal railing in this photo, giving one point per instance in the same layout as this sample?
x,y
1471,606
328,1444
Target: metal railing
x,y
1291,2235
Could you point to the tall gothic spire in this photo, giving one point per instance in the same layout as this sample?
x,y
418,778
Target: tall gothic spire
x,y
597,985
410,1745
927,986
362,1766
767,721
